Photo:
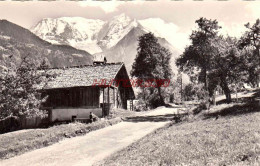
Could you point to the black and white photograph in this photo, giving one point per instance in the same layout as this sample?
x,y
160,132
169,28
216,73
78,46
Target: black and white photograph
x,y
130,83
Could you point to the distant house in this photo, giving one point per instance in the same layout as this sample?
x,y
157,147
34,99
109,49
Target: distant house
x,y
77,91
99,59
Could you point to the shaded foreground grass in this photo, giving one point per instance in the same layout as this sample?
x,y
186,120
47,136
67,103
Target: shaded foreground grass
x,y
226,136
234,140
15,143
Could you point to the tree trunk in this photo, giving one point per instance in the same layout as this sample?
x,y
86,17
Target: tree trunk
x,y
214,97
144,98
228,95
236,94
226,90
257,81
160,95
258,76
205,79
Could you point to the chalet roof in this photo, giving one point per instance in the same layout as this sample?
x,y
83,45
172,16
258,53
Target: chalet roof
x,y
82,76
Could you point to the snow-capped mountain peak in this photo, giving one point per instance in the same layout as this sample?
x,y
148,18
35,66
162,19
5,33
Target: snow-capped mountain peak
x,y
93,35
115,29
122,18
117,38
78,32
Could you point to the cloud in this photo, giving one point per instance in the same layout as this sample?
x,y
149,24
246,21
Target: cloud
x,y
232,29
254,7
106,6
169,31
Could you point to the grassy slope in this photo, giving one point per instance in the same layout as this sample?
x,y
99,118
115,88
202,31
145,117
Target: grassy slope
x,y
232,139
19,142
15,143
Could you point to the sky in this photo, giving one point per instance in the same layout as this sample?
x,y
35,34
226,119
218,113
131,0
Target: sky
x,y
180,15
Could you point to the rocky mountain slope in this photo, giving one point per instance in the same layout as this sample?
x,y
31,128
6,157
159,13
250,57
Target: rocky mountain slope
x,y
17,42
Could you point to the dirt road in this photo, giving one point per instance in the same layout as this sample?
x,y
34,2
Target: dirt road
x,y
95,146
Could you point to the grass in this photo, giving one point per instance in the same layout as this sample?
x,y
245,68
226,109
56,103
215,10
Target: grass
x,y
228,134
121,113
19,142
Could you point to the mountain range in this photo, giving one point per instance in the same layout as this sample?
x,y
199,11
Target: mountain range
x,y
71,41
117,38
17,42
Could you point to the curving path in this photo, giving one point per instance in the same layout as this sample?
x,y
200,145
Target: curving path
x,y
94,146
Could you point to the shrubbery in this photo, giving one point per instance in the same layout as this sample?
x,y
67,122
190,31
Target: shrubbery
x,y
150,99
140,106
19,95
195,92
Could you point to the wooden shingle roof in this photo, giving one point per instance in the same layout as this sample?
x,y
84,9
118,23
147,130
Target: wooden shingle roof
x,y
82,76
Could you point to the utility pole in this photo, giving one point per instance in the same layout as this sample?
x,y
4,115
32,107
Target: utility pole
x,y
179,79
181,89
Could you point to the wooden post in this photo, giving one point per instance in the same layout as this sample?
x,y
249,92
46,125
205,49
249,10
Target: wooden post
x,y
131,105
98,97
181,89
114,97
116,100
108,100
103,109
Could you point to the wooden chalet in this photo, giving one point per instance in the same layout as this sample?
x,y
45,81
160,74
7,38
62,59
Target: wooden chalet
x,y
76,91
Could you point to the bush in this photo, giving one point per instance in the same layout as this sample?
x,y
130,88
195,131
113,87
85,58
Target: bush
x,y
14,123
149,98
140,106
202,106
154,101
195,92
8,124
19,95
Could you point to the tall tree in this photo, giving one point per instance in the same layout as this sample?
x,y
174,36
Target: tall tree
x,y
198,56
214,58
18,92
251,41
152,63
227,67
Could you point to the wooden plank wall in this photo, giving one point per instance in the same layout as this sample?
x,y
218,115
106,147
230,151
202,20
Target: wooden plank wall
x,y
80,97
